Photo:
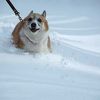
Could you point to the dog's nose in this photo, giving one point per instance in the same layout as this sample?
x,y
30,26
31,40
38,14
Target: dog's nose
x,y
33,25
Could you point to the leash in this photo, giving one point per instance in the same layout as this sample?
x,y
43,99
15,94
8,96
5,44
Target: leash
x,y
14,9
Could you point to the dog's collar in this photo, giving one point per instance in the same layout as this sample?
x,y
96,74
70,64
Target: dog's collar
x,y
34,43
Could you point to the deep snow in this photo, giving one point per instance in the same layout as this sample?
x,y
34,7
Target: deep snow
x,y
71,72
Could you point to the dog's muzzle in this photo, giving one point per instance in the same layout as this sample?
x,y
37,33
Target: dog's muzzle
x,y
33,27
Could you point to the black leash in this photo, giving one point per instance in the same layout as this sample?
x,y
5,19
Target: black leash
x,y
14,9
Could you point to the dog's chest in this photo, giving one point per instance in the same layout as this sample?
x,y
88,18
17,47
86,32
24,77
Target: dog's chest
x,y
36,44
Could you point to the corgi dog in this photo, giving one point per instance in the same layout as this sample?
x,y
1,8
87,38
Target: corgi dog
x,y
31,34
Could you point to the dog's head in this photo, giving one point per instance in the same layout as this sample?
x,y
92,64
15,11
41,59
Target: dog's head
x,y
36,22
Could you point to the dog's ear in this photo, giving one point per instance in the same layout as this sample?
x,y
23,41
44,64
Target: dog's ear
x,y
30,13
44,13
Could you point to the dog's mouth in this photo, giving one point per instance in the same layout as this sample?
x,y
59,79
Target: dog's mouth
x,y
34,29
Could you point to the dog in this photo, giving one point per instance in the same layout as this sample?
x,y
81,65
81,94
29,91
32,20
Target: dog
x,y
31,34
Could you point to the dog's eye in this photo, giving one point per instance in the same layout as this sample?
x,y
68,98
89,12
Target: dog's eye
x,y
39,20
30,19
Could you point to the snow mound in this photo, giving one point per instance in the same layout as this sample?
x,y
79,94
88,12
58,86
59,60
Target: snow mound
x,y
72,71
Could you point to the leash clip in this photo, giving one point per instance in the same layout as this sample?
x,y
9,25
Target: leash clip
x,y
14,9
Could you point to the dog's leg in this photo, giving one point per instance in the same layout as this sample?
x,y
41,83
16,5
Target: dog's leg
x,y
49,44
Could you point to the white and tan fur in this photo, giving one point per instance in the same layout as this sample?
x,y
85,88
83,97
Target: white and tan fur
x,y
32,38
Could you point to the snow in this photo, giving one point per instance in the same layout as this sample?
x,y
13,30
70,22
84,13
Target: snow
x,y
90,43
71,72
